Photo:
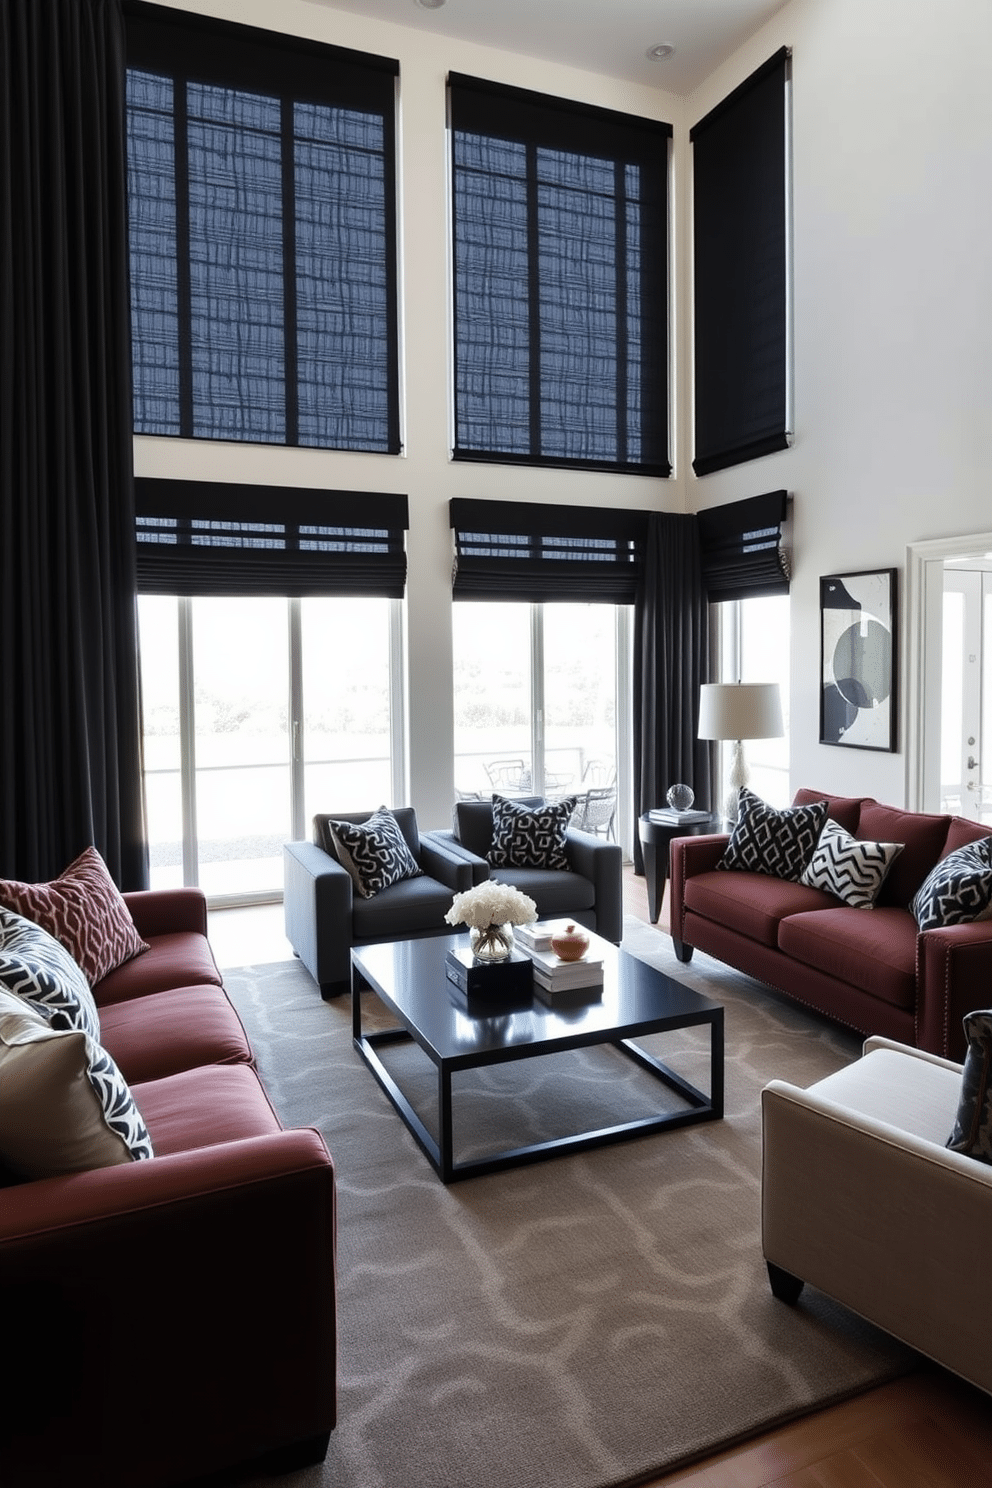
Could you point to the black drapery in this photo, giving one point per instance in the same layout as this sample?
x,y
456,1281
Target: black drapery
x,y
70,754
671,659
742,551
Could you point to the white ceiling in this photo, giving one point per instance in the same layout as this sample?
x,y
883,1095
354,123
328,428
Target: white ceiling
x,y
604,36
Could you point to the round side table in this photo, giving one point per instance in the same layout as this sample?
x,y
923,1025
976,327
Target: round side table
x,y
656,839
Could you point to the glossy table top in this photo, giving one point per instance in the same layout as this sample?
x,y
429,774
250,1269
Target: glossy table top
x,y
634,998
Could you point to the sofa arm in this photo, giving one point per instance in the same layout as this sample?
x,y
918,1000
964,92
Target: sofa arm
x,y
687,857
448,843
164,911
602,863
890,1224
954,977
447,862
317,907
204,1278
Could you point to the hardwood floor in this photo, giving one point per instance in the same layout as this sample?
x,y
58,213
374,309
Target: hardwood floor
x,y
926,1430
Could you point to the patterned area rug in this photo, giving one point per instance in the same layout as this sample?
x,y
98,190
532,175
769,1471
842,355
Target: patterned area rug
x,y
588,1321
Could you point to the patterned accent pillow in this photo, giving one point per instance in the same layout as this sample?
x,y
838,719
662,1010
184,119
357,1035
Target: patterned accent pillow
x,y
530,836
64,1105
972,1132
846,866
39,969
83,909
958,889
779,843
375,853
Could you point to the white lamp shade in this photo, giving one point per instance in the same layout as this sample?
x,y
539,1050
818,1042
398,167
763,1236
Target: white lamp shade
x,y
740,710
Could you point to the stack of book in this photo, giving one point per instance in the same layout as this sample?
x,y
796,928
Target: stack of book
x,y
554,978
666,818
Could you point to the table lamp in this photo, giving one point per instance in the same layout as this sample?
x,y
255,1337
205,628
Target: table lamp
x,y
739,711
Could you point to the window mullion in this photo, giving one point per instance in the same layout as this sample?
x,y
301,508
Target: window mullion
x,y
290,343
533,301
184,292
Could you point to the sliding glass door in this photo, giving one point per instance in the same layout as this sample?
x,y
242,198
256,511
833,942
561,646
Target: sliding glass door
x,y
258,713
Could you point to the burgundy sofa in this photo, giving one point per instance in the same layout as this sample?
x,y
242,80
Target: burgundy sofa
x,y
172,1317
872,969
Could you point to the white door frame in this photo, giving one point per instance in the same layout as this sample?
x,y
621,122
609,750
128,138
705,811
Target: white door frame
x,y
924,608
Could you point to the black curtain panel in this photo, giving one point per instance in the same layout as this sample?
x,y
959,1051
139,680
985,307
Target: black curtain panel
x,y
671,658
70,752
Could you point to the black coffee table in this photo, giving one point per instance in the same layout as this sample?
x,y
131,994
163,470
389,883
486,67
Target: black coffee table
x,y
456,1034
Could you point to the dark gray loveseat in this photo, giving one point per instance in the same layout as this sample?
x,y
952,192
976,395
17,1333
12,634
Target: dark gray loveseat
x,y
325,917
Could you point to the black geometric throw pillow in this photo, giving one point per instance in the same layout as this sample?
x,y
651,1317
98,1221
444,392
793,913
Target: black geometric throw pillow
x,y
374,852
972,1132
778,843
852,869
958,889
530,836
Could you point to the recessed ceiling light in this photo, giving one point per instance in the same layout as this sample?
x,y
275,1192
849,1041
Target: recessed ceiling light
x,y
656,53
430,4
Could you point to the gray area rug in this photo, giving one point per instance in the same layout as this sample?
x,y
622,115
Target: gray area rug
x,y
587,1321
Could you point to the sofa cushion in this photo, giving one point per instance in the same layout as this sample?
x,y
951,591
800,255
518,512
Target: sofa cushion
x,y
553,892
38,968
923,838
958,889
972,1131
961,831
530,836
84,910
849,868
182,958
375,852
751,904
844,810
64,1105
874,952
778,843
151,1037
413,905
206,1106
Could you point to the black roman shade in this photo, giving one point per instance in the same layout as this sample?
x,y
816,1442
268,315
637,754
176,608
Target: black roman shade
x,y
535,553
560,223
739,162
261,207
742,552
209,537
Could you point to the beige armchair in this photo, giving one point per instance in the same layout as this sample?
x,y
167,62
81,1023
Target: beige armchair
x,y
861,1198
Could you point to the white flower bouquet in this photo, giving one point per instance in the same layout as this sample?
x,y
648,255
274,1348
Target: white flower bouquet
x,y
491,903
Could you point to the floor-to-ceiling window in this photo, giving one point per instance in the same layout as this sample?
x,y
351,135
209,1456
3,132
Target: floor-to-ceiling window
x,y
541,696
754,647
258,713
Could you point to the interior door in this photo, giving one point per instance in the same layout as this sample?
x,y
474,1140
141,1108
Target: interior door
x,y
966,694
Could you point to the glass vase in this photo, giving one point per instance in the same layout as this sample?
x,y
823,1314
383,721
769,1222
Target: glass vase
x,y
491,942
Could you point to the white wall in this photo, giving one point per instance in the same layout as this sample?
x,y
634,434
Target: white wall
x,y
893,221
892,164
425,471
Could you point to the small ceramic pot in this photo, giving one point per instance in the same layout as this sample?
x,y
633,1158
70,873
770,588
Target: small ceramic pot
x,y
570,944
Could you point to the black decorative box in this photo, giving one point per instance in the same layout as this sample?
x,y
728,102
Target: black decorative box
x,y
503,980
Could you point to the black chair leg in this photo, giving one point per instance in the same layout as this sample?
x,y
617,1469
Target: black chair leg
x,y
683,951
784,1285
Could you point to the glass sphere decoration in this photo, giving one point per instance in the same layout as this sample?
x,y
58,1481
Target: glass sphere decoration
x,y
680,797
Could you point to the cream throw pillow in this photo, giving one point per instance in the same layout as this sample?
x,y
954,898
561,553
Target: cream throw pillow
x,y
64,1105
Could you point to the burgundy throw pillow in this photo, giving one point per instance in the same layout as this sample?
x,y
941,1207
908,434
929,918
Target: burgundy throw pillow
x,y
83,909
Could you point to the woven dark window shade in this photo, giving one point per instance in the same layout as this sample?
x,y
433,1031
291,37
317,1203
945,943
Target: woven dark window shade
x,y
741,545
261,212
739,272
534,553
211,537
560,216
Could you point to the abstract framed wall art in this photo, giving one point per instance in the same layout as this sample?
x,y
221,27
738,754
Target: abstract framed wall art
x,y
858,659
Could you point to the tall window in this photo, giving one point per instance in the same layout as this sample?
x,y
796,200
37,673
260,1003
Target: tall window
x,y
262,242
754,647
561,281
